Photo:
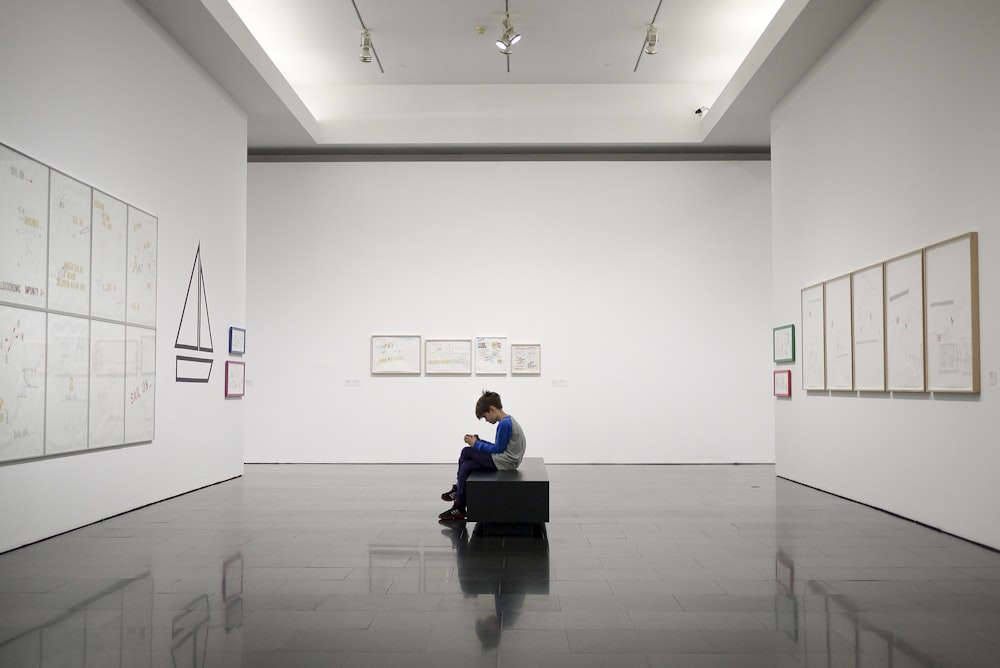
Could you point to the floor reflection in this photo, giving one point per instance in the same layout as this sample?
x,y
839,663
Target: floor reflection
x,y
110,627
824,627
640,566
856,587
189,634
505,562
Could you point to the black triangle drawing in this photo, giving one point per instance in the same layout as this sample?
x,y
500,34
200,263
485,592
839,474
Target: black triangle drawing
x,y
194,332
202,335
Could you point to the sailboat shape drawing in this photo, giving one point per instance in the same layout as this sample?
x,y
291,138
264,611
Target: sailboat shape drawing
x,y
195,330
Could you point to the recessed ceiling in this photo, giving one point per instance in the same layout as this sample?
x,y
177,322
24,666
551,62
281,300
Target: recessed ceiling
x,y
578,77
315,45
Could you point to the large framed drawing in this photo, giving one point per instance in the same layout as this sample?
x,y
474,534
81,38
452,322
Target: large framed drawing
x,y
109,259
904,323
24,229
837,334
525,359
140,384
394,354
107,383
448,356
868,310
67,386
951,279
69,245
491,355
140,284
813,350
22,383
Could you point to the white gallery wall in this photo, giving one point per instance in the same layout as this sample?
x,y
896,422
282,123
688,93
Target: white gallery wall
x,y
888,145
647,285
95,89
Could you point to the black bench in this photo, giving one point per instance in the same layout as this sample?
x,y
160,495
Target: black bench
x,y
509,497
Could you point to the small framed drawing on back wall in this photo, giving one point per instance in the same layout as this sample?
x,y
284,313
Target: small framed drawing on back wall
x,y
491,355
397,354
448,356
526,359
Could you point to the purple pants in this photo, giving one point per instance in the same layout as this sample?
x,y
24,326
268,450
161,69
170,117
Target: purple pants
x,y
471,460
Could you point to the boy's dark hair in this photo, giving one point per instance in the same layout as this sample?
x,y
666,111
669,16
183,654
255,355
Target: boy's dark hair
x,y
486,401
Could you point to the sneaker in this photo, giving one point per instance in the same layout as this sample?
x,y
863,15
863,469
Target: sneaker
x,y
449,496
454,514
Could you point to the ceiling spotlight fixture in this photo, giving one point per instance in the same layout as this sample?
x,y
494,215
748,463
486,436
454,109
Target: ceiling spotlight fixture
x,y
366,47
510,36
649,43
650,47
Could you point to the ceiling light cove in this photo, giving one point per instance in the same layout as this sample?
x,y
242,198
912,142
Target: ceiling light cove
x,y
400,72
287,37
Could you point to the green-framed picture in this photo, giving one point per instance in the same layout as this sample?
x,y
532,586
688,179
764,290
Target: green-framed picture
x,y
784,343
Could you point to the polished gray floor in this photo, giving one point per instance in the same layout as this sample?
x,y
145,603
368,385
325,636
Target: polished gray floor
x,y
338,565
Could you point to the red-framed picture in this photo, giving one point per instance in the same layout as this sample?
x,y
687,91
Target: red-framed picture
x,y
783,383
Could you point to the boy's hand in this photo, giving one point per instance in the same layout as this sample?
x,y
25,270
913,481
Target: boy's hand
x,y
470,439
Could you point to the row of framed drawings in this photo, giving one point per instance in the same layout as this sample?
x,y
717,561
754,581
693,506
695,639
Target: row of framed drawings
x,y
909,324
396,354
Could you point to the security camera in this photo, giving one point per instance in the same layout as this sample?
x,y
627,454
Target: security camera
x,y
700,111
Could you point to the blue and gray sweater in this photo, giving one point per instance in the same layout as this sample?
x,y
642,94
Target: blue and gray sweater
x,y
508,450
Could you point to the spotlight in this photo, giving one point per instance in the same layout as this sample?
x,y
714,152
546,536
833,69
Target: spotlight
x,y
651,38
366,47
509,38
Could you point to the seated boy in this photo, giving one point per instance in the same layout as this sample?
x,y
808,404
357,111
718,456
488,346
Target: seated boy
x,y
504,454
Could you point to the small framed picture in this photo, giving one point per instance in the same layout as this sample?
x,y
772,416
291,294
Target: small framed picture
x,y
526,359
237,341
235,378
783,383
783,344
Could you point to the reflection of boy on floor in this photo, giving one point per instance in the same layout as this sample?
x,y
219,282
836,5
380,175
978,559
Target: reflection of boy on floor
x,y
505,454
478,574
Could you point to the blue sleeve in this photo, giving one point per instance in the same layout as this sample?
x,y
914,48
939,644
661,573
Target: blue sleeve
x,y
503,437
